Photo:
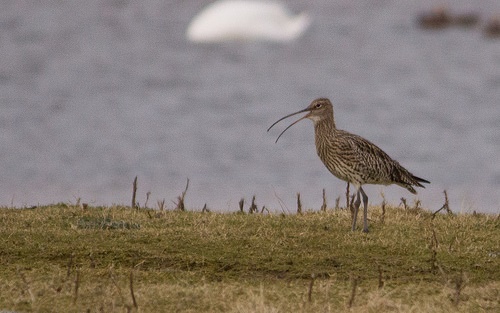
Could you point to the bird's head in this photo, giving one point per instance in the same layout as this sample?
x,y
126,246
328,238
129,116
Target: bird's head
x,y
320,109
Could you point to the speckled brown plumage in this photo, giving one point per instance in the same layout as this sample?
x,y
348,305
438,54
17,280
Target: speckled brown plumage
x,y
352,158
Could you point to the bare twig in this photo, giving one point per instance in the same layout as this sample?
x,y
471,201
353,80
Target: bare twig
x,y
354,281
253,207
299,204
435,241
380,277
403,201
446,203
337,203
134,193
446,206
70,265
384,203
311,284
205,209
281,203
434,245
180,204
323,206
241,204
147,199
77,285
132,288
161,204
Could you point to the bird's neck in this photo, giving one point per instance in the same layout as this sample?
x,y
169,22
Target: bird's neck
x,y
324,137
325,127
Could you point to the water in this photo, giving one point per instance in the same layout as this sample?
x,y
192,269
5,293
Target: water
x,y
94,93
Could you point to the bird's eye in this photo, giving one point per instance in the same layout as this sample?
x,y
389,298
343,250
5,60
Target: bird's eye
x,y
318,105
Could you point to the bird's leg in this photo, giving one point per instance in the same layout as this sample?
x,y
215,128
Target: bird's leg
x,y
365,210
356,208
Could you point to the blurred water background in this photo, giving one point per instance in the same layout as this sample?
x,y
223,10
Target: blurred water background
x,y
93,93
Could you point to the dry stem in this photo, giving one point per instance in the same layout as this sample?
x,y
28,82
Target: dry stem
x,y
323,206
180,204
299,204
353,291
134,193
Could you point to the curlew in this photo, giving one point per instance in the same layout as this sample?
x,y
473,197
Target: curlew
x,y
352,158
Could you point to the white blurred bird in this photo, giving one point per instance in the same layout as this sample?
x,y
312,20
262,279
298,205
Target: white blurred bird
x,y
246,20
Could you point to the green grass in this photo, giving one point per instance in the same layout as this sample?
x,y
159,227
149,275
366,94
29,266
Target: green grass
x,y
68,259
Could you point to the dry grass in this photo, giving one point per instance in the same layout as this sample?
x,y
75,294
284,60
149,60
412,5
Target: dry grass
x,y
118,259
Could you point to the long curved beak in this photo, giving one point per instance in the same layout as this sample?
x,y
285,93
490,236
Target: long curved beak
x,y
300,119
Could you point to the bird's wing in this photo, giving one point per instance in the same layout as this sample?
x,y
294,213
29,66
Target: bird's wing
x,y
370,159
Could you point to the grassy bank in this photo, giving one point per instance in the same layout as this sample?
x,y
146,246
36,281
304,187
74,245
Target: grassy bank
x,y
115,259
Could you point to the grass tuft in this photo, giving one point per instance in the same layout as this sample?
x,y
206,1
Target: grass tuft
x,y
180,206
90,222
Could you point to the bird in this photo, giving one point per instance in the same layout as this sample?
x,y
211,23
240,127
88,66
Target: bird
x,y
229,20
492,29
352,158
440,18
436,19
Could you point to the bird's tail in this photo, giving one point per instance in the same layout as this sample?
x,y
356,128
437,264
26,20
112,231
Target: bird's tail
x,y
415,181
419,180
